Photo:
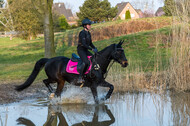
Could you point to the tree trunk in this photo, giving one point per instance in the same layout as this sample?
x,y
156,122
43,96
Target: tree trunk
x,y
44,10
48,32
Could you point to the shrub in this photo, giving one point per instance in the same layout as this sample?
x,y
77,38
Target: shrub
x,y
127,15
63,23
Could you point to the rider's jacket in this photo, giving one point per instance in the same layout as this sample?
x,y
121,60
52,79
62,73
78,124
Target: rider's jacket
x,y
85,41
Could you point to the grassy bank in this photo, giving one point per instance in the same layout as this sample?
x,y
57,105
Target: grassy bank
x,y
108,30
158,59
140,48
19,56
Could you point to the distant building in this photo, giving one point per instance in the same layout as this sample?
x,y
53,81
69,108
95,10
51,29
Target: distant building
x,y
160,12
60,9
141,14
125,6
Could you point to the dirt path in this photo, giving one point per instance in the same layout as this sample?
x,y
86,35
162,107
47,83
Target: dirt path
x,y
9,95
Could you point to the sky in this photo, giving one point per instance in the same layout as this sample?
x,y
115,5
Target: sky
x,y
137,4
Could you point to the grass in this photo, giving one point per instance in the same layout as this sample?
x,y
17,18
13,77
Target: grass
x,y
111,29
19,56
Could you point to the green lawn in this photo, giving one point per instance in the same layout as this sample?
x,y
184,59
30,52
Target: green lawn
x,y
17,57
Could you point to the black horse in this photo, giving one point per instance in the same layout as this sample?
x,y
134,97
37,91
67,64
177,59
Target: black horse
x,y
55,69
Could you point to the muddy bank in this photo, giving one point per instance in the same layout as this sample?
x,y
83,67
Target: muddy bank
x,y
9,95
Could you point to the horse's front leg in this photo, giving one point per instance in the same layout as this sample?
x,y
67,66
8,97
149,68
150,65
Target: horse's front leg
x,y
94,93
111,88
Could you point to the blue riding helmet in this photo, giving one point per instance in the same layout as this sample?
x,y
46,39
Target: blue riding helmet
x,y
86,21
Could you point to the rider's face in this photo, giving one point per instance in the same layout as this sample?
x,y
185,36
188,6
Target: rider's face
x,y
88,26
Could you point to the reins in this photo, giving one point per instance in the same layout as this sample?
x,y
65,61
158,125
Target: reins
x,y
106,73
107,70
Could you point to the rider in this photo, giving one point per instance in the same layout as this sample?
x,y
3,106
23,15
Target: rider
x,y
84,45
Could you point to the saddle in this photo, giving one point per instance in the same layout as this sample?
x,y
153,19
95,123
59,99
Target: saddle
x,y
75,63
76,58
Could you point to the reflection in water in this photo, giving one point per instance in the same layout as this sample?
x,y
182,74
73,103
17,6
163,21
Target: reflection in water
x,y
95,121
55,115
131,109
180,108
24,121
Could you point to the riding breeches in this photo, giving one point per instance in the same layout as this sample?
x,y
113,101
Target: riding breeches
x,y
83,53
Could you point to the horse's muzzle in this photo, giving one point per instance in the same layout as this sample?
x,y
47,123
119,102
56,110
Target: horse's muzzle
x,y
124,63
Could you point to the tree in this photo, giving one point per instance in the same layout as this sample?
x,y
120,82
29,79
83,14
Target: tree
x,y
169,7
90,9
127,15
1,7
6,19
109,12
44,11
56,26
26,22
1,3
63,23
96,10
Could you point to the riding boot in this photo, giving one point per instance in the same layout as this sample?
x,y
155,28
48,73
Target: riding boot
x,y
80,79
81,73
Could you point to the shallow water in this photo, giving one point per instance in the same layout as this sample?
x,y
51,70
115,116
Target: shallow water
x,y
123,109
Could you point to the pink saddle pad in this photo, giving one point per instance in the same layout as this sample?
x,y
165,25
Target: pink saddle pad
x,y
72,67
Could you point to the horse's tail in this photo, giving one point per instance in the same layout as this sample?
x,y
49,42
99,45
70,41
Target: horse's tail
x,y
38,66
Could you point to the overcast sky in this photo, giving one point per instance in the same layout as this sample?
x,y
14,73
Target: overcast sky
x,y
137,4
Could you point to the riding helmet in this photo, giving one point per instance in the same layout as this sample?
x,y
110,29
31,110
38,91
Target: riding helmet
x,y
86,21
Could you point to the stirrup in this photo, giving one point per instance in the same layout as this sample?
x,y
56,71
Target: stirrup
x,y
80,80
81,85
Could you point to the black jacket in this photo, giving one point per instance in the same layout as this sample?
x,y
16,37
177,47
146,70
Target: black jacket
x,y
85,40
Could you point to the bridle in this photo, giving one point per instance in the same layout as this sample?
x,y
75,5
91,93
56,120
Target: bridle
x,y
114,53
112,56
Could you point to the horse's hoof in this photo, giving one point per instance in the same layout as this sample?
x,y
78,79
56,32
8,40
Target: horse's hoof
x,y
52,95
53,113
97,102
103,99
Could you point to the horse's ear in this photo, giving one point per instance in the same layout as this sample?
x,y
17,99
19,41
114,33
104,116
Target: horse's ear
x,y
121,42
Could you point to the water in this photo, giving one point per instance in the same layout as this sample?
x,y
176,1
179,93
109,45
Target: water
x,y
123,109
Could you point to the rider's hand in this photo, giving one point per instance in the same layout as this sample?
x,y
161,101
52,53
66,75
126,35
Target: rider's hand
x,y
95,50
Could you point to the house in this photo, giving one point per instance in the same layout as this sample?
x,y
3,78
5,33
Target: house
x,y
141,14
123,7
160,12
60,9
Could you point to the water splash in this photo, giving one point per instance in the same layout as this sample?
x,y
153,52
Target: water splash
x,y
74,94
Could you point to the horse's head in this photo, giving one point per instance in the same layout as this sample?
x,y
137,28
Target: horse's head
x,y
118,54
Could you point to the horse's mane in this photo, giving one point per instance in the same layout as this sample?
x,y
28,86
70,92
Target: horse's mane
x,y
106,48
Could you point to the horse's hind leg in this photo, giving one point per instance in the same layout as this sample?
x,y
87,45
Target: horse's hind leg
x,y
60,85
47,83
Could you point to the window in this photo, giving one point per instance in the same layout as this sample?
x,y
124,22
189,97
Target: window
x,y
123,15
128,7
132,15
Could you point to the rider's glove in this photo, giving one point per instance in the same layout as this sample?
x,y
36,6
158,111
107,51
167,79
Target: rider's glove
x,y
95,50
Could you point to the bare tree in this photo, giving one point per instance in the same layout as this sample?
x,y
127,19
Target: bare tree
x,y
6,19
